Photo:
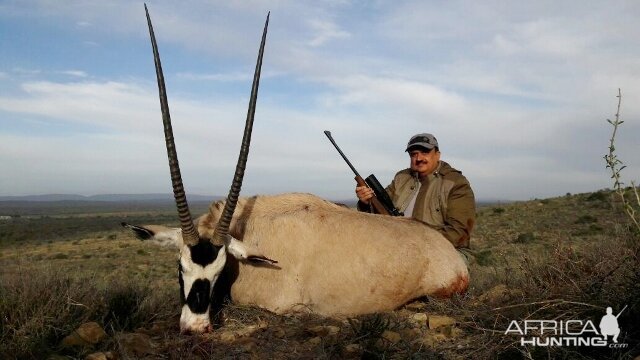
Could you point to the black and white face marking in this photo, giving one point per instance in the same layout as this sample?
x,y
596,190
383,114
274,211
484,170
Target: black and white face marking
x,y
200,265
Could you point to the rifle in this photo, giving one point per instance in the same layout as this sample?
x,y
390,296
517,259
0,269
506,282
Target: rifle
x,y
381,202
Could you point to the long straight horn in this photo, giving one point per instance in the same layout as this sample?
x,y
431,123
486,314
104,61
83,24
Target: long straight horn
x,y
189,233
222,228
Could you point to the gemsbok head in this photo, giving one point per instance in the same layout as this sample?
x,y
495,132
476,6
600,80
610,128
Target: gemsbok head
x,y
203,259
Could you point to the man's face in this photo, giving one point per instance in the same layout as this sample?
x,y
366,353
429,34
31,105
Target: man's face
x,y
424,161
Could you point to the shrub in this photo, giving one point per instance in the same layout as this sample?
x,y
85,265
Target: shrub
x,y
525,238
600,196
40,307
125,307
368,330
484,257
586,219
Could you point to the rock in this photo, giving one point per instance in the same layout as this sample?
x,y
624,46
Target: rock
x,y
436,321
431,339
352,351
73,340
136,344
100,356
419,319
249,330
262,324
388,338
279,333
314,341
416,306
324,330
96,356
456,332
228,336
411,333
89,333
391,336
498,294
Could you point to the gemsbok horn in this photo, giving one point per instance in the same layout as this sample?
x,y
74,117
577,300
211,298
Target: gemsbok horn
x,y
203,258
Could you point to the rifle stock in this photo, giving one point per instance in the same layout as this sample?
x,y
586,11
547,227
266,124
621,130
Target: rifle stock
x,y
377,205
382,196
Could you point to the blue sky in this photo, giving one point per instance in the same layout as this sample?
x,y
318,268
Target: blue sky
x,y
516,92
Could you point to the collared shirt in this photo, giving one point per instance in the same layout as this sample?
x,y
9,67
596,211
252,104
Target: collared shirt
x,y
444,200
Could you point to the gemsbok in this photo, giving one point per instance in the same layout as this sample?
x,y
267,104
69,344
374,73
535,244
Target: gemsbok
x,y
331,260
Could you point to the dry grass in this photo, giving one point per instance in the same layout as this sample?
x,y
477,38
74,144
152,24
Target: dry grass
x,y
40,307
545,256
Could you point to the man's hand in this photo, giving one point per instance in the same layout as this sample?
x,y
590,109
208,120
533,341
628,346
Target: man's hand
x,y
364,194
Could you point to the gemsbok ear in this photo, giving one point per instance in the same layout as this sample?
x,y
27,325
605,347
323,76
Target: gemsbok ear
x,y
157,234
139,231
245,253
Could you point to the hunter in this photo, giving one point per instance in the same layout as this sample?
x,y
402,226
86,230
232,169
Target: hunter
x,y
431,191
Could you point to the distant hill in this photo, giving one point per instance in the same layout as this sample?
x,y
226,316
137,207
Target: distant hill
x,y
108,198
162,198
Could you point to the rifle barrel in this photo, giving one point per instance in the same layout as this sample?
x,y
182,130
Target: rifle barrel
x,y
328,133
380,208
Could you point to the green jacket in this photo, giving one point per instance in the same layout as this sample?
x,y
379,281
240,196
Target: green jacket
x,y
445,201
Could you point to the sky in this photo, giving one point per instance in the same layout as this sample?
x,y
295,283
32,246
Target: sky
x,y
517,93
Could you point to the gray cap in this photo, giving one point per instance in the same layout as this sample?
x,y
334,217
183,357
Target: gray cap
x,y
424,140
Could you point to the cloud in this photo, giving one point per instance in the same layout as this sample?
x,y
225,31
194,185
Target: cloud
x,y
107,104
81,164
25,72
229,77
395,93
516,92
74,73
325,31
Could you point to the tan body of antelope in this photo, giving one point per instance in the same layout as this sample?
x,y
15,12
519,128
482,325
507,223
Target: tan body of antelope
x,y
333,260
330,260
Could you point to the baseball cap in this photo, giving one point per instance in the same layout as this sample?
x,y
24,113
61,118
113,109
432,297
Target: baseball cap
x,y
424,140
